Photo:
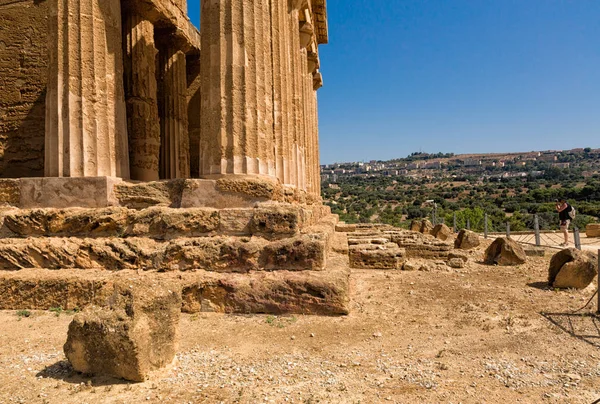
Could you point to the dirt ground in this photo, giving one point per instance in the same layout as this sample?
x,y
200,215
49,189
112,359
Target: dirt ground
x,y
480,334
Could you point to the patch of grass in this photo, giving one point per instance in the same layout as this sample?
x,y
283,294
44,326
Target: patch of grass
x,y
56,310
23,313
280,322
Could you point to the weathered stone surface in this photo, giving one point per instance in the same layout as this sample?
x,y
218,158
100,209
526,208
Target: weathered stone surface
x,y
321,292
345,228
133,334
421,245
60,193
467,240
276,220
571,268
415,225
166,223
592,230
506,252
442,232
459,255
221,254
23,78
426,226
410,266
10,192
147,194
376,257
306,252
456,263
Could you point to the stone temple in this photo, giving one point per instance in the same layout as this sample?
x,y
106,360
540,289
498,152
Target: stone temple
x,y
132,143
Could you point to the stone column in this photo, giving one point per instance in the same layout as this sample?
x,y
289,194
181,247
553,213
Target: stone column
x,y
237,134
141,97
86,129
297,173
282,92
175,155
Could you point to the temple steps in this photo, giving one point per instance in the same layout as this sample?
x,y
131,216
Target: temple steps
x,y
290,292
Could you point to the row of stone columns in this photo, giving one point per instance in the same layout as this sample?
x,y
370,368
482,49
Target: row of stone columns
x,y
258,102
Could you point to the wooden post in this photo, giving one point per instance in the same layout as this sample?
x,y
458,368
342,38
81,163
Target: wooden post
x,y
598,284
507,229
454,218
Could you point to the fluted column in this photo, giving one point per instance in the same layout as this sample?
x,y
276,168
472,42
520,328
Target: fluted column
x,y
297,174
141,97
174,156
86,129
237,135
282,96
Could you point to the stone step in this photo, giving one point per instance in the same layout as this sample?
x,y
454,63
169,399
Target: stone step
x,y
281,292
162,223
221,254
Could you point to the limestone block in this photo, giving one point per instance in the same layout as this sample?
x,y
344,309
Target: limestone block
x,y
199,193
168,223
426,227
300,253
217,254
506,252
415,225
146,194
10,192
132,335
276,220
456,263
236,221
592,230
571,268
442,232
467,240
277,292
459,255
88,192
376,258
263,188
345,228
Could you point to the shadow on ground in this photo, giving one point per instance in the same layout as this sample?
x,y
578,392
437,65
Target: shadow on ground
x,y
583,326
540,285
62,370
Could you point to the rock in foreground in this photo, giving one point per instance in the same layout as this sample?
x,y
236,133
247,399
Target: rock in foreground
x,y
571,268
135,333
506,252
467,240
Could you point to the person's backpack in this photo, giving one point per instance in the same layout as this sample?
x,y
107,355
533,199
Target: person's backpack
x,y
572,213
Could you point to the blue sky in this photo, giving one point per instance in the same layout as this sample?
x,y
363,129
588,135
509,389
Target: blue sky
x,y
458,76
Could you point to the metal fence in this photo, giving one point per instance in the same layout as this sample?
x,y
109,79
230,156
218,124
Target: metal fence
x,y
534,236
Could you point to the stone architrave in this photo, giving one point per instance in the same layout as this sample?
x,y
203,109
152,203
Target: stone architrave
x,y
237,134
175,154
141,97
86,129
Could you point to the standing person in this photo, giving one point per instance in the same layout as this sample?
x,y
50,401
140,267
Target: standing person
x,y
563,209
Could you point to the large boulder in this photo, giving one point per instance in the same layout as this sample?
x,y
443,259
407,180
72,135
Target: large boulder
x,y
571,268
467,240
506,252
592,230
134,333
426,226
442,232
415,225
